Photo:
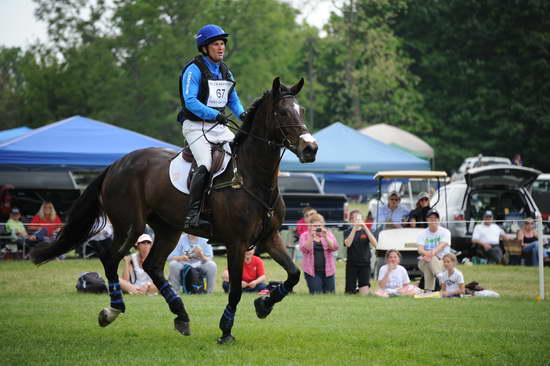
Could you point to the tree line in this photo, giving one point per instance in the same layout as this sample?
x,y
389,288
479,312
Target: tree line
x,y
467,76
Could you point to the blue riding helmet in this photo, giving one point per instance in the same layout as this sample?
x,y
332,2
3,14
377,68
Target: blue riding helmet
x,y
208,34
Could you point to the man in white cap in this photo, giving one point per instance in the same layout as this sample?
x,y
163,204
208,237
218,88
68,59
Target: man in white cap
x,y
488,235
392,215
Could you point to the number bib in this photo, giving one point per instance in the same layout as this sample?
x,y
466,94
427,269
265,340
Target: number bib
x,y
218,93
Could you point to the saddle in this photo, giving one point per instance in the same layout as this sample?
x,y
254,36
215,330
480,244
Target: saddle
x,y
218,154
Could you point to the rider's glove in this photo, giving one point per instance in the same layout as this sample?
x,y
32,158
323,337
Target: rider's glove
x,y
221,118
243,117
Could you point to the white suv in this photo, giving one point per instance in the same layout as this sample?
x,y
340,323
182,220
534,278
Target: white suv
x,y
478,161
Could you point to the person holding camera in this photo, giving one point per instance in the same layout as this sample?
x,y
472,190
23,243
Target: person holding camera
x,y
317,245
358,240
196,252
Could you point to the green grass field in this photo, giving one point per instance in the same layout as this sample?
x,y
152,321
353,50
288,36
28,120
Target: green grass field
x,y
45,321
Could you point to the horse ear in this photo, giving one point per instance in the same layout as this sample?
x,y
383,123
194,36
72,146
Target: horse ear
x,y
276,89
296,88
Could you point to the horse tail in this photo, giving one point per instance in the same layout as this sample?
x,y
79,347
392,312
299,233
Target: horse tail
x,y
80,224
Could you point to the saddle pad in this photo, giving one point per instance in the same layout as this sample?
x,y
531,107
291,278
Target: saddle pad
x,y
179,170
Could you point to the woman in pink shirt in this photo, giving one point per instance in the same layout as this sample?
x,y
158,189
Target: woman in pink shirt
x,y
317,244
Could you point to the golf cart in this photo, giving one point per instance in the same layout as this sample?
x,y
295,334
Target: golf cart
x,y
403,238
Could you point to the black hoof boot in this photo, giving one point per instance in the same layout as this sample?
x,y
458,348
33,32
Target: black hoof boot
x,y
262,310
225,339
182,327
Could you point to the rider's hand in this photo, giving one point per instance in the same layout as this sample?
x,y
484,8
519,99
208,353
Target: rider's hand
x,y
243,117
221,118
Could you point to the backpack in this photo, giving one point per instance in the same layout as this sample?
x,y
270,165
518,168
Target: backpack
x,y
191,281
91,282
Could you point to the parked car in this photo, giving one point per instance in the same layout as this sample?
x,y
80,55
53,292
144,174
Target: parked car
x,y
300,190
503,189
541,195
476,162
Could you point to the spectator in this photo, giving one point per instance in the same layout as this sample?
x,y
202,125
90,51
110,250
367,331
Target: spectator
x,y
302,224
529,241
418,216
358,240
451,279
433,243
197,253
487,235
135,280
253,274
46,224
5,201
391,215
393,279
317,245
517,160
17,230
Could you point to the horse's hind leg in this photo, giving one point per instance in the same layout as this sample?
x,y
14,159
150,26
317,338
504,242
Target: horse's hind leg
x,y
110,258
276,249
166,238
235,258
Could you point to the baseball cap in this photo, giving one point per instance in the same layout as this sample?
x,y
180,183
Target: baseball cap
x,y
144,237
488,213
432,212
394,193
422,195
15,210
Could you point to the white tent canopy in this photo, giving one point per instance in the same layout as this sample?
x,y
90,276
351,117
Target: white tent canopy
x,y
392,135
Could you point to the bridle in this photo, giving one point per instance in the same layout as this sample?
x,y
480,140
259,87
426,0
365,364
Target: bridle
x,y
285,141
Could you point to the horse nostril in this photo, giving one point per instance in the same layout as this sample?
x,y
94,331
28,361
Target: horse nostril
x,y
310,150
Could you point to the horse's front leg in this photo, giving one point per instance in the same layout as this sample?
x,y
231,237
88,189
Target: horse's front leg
x,y
276,249
235,258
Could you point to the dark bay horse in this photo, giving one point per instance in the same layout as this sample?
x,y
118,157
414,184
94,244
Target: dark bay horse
x,y
136,190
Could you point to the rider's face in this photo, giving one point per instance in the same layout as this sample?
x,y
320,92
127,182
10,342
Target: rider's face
x,y
216,50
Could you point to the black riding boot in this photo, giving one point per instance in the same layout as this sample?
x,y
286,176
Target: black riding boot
x,y
197,188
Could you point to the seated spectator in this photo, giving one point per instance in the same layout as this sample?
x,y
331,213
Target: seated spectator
x,y
358,239
393,279
451,279
433,243
135,280
417,217
46,224
487,235
253,274
529,241
5,201
392,215
197,253
317,245
17,230
302,224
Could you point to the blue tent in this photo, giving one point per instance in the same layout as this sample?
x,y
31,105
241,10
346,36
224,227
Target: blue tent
x,y
74,142
345,150
13,132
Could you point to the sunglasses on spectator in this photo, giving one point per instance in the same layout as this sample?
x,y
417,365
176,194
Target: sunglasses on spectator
x,y
424,199
395,199
147,242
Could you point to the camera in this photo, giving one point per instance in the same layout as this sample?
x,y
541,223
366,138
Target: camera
x,y
319,230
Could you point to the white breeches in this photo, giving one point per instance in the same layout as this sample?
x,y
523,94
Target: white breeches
x,y
200,146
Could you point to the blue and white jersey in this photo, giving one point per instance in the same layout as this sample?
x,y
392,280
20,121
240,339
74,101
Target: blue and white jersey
x,y
221,92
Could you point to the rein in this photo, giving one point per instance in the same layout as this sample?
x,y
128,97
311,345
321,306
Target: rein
x,y
238,182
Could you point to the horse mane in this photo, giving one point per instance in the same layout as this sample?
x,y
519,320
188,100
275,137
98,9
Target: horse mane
x,y
247,125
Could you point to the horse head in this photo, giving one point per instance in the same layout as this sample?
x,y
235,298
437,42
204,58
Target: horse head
x,y
289,121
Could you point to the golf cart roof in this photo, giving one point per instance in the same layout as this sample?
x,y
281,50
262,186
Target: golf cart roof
x,y
423,174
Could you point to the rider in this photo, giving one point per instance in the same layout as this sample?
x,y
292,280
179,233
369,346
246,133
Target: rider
x,y
206,87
